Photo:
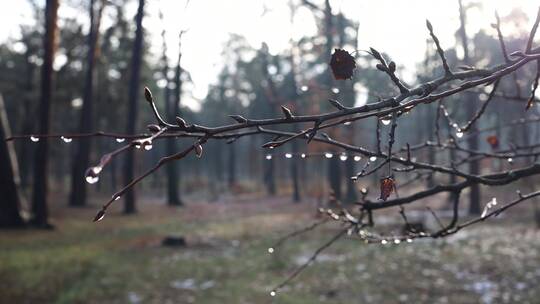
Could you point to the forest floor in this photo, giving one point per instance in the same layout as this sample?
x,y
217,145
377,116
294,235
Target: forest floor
x,y
121,259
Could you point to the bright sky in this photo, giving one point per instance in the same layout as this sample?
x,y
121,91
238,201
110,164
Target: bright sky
x,y
395,27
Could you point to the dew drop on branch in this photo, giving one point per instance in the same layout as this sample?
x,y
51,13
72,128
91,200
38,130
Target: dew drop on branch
x,y
92,175
268,156
34,139
335,90
120,140
386,120
357,158
270,250
288,155
67,140
148,147
373,158
273,293
328,155
459,133
304,88
343,157
303,155
488,206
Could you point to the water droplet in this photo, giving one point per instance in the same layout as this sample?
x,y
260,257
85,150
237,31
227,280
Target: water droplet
x,y
409,240
92,175
303,155
384,242
66,139
335,90
137,146
357,158
328,155
488,206
386,120
273,293
34,139
92,179
270,250
459,133
343,157
120,140
396,241
304,88
288,155
269,156
373,158
347,123
148,147
455,125
117,198
510,160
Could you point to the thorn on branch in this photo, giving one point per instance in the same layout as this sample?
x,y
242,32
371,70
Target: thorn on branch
x,y
153,128
181,123
286,112
148,95
337,104
99,216
239,118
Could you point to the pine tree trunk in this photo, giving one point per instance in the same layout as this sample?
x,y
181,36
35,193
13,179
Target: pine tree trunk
x,y
133,109
39,197
10,216
334,166
472,142
81,160
173,170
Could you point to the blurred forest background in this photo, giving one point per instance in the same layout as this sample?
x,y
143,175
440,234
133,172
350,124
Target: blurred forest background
x,y
85,71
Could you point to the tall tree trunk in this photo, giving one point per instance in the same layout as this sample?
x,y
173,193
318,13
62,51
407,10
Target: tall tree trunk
x,y
294,145
133,97
10,216
269,176
334,166
25,154
81,160
39,197
472,141
231,177
294,170
173,171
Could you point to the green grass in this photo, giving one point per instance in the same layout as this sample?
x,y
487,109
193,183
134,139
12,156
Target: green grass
x,y
120,260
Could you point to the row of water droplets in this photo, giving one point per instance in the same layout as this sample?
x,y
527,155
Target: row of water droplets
x,y
342,156
92,173
362,234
